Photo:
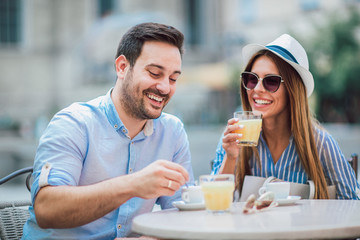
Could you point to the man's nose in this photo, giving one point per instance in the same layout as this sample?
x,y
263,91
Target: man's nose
x,y
163,86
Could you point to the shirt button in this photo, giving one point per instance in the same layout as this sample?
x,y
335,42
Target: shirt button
x,y
130,170
115,126
124,130
119,226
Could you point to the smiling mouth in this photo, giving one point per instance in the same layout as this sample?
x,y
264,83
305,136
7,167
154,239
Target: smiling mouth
x,y
262,102
154,97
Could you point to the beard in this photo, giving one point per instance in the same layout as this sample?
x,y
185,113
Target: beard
x,y
133,99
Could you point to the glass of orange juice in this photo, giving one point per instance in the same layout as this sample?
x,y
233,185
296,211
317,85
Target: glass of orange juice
x,y
252,127
218,191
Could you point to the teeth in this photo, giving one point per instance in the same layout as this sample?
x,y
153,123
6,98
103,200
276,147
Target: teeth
x,y
258,101
159,99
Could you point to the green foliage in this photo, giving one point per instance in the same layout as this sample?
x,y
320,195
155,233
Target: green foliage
x,y
334,56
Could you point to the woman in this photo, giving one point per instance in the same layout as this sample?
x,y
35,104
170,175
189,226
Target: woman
x,y
292,145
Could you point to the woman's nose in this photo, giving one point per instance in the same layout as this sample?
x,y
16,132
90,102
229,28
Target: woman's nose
x,y
259,86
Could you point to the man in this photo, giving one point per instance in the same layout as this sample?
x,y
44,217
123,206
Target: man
x,y
101,163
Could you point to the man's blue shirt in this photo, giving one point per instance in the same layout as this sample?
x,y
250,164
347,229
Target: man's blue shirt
x,y
86,143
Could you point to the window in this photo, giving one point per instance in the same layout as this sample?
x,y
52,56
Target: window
x,y
105,7
247,11
10,22
309,5
193,10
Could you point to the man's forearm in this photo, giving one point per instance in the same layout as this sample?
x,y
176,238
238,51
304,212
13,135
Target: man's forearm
x,y
72,206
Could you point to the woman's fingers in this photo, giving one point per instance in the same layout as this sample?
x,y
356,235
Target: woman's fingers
x,y
232,126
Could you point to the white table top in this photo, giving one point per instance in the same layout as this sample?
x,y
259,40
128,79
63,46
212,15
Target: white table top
x,y
303,220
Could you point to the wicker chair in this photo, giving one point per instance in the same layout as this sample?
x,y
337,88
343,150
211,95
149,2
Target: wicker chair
x,y
353,160
14,214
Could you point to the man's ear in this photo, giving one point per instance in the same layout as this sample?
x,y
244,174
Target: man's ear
x,y
121,66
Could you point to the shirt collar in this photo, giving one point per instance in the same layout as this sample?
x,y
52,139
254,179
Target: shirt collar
x,y
114,119
149,127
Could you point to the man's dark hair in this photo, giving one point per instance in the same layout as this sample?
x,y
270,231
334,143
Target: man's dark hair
x,y
132,42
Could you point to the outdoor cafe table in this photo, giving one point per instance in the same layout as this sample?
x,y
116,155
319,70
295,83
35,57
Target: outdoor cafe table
x,y
306,219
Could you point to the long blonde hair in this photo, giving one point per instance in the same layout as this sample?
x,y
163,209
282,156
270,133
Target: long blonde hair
x,y
302,127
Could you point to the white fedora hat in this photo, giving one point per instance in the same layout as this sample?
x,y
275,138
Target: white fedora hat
x,y
291,51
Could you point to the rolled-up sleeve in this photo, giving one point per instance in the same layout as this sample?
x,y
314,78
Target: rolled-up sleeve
x,y
60,153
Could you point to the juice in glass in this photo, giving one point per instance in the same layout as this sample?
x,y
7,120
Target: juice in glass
x,y
218,191
252,127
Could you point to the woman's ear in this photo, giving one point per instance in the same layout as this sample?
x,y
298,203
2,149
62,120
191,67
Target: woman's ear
x,y
121,66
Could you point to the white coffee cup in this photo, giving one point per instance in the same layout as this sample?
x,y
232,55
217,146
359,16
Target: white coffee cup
x,y
192,194
280,189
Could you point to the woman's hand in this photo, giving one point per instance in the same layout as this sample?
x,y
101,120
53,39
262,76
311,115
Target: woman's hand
x,y
231,147
231,138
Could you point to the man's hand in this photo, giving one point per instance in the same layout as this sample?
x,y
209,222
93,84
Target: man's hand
x,y
161,178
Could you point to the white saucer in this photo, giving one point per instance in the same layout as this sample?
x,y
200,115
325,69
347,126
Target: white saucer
x,y
287,201
181,205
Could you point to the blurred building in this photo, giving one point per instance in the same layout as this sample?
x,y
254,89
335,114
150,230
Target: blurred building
x,y
53,53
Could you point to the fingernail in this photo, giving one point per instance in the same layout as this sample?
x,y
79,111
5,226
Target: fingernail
x,y
236,119
240,135
241,126
237,141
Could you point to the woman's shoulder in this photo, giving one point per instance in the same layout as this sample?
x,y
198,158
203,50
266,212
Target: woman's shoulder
x,y
321,134
325,141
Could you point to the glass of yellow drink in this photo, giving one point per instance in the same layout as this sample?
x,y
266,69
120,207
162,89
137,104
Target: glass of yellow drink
x,y
252,127
218,191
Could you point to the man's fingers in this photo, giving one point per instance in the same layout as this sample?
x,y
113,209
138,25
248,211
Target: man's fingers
x,y
175,177
172,185
175,171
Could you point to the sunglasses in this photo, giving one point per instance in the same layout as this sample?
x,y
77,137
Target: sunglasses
x,y
271,83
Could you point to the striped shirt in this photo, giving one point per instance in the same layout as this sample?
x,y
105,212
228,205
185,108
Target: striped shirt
x,y
336,168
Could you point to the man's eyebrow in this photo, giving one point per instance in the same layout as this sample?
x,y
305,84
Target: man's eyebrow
x,y
161,67
155,65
